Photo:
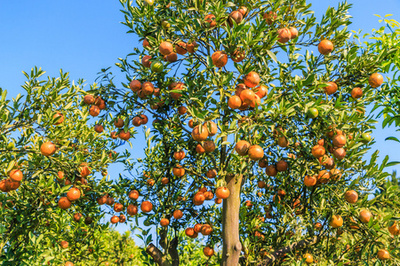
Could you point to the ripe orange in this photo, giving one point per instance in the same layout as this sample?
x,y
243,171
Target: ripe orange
x,y
331,88
284,35
325,47
178,171
206,229
102,200
190,232
132,209
114,219
118,122
88,99
182,110
110,201
136,121
252,79
197,228
282,166
16,175
394,229
146,206
135,85
77,217
339,153
236,16
200,133
179,155
209,146
261,91
180,48
98,128
318,151
124,135
308,258
199,198
172,57
310,181
351,196
244,11
164,180
208,195
356,93
383,254
94,110
242,147
60,118
222,192
84,169
190,46
118,207
261,184
365,216
212,173
73,194
255,152
211,128
64,203
48,148
283,142
146,43
68,263
336,221
270,170
133,194
166,48
375,80
147,88
122,218
324,176
178,214
164,222
146,61
294,33
209,252
210,21
238,55
219,59
234,102
176,86
270,17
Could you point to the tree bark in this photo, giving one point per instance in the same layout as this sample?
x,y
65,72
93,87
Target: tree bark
x,y
230,223
157,255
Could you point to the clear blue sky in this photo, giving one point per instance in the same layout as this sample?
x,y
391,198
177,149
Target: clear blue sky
x,y
81,37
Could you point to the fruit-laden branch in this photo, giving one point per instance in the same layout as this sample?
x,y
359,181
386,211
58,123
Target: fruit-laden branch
x,y
298,245
157,255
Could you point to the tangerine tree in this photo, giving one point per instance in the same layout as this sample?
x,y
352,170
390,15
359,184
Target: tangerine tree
x,y
48,157
266,112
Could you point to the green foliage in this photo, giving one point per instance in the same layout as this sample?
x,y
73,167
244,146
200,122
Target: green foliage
x,y
295,73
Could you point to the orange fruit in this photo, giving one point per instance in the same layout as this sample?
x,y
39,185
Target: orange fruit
x,y
356,93
98,128
310,181
325,47
178,214
255,152
146,43
124,135
252,79
222,192
308,258
114,219
375,80
394,229
94,110
132,209
133,194
73,194
210,21
64,203
16,175
261,91
179,155
135,85
234,102
209,252
331,88
318,151
211,128
271,170
238,55
270,17
180,48
200,133
284,35
118,207
212,173
182,110
60,118
88,99
146,61
166,48
336,221
146,206
209,146
294,33
219,59
365,216
236,16
190,46
351,196
178,171
383,254
164,222
242,147
48,148
172,57
282,166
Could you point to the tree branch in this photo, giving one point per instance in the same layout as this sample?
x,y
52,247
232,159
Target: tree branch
x,y
157,255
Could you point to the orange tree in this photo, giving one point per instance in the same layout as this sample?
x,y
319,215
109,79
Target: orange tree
x,y
48,157
257,106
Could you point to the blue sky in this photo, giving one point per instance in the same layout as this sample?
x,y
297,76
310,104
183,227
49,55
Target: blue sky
x,y
81,37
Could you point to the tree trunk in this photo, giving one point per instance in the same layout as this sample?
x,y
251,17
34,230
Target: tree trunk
x,y
157,255
230,223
